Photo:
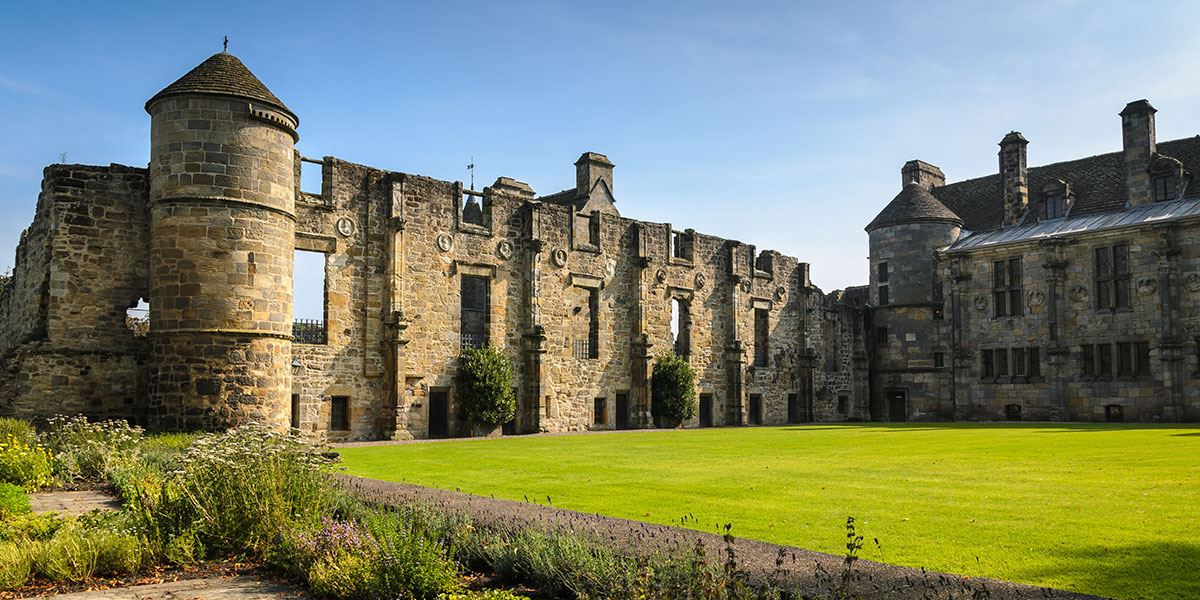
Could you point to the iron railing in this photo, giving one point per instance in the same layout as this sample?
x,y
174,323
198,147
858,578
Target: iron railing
x,y
470,340
584,349
309,331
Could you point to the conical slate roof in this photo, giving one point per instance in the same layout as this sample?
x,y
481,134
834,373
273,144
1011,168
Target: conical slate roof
x,y
222,75
913,204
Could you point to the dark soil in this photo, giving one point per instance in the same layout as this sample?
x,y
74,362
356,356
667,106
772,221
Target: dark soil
x,y
793,568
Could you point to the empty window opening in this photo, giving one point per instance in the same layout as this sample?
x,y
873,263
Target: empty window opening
x,y
295,411
681,245
884,296
472,208
587,345
339,413
881,336
599,411
1012,412
882,279
681,326
137,318
308,293
473,315
311,176
762,333
939,301
843,401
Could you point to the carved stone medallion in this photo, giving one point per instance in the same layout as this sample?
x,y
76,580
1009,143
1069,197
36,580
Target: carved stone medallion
x,y
780,292
660,276
1037,297
610,268
504,249
746,284
559,258
345,226
1079,293
981,302
1192,282
445,242
701,280
1146,286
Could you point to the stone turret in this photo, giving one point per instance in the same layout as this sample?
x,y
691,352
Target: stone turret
x,y
902,239
222,212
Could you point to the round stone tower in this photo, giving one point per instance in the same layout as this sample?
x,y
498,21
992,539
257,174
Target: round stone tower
x,y
902,240
222,206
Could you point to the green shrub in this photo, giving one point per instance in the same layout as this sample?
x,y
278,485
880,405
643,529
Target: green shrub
x,y
31,527
16,564
69,556
485,386
673,385
89,451
22,430
411,559
13,501
484,595
29,466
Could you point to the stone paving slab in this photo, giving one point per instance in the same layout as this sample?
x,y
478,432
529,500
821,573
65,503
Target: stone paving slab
x,y
239,587
72,503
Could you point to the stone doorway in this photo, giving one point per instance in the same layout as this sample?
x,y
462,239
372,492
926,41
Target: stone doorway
x,y
897,405
706,407
439,414
622,415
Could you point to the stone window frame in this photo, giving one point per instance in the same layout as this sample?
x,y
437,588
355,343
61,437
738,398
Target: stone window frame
x,y
600,412
591,348
459,197
881,283
1167,179
762,351
1008,288
591,239
939,360
327,245
681,246
1132,359
325,198
1109,281
336,423
487,273
1096,361
1020,364
684,296
1059,191
751,406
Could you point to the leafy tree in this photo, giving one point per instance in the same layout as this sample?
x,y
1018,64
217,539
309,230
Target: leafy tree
x,y
673,385
485,378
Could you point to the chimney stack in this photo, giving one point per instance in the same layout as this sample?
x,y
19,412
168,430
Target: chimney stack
x,y
926,175
1014,176
1137,136
590,167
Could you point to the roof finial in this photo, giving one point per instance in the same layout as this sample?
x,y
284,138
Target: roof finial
x,y
471,168
225,48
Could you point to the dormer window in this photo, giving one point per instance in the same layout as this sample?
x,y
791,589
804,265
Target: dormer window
x,y
1056,200
1164,187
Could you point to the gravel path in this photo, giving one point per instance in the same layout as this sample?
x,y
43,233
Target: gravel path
x,y
238,587
72,503
798,567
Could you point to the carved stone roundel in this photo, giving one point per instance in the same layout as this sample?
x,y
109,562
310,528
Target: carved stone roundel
x,y
746,285
504,249
780,293
345,226
1036,298
700,281
1079,293
445,242
981,302
1146,286
660,276
1192,282
559,258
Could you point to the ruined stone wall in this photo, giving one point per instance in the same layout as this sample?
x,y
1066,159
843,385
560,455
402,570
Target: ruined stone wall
x,y
1162,313
81,264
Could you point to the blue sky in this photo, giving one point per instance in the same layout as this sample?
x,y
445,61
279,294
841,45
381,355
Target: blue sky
x,y
781,124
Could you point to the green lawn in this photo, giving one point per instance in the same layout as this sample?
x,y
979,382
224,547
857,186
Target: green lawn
x,y
1108,510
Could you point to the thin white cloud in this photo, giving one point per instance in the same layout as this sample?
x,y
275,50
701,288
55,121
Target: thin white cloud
x,y
22,87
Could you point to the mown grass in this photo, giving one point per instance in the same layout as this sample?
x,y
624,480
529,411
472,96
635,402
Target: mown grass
x,y
1112,510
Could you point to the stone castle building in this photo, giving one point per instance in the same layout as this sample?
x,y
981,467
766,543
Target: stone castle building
x,y
1069,291
580,297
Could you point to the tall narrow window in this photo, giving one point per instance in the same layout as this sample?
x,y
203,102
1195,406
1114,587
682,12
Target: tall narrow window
x,y
1112,277
295,411
473,311
681,326
762,323
1104,366
986,364
308,293
472,209
599,413
593,323
1035,362
339,413
1006,288
939,301
1087,360
681,245
882,278
1002,362
1019,367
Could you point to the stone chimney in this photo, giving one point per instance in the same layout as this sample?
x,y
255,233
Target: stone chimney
x,y
590,167
1137,135
926,175
1014,176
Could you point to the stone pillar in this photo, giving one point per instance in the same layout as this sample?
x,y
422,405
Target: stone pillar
x,y
529,414
222,206
1014,177
1137,136
1057,353
642,350
1171,344
397,320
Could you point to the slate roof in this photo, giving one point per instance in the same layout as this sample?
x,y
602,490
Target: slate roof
x,y
1158,212
222,74
912,205
1098,183
569,198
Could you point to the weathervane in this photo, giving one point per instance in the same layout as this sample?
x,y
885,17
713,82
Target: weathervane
x,y
471,168
225,48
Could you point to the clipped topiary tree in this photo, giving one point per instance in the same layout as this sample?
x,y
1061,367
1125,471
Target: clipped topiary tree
x,y
673,385
485,386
